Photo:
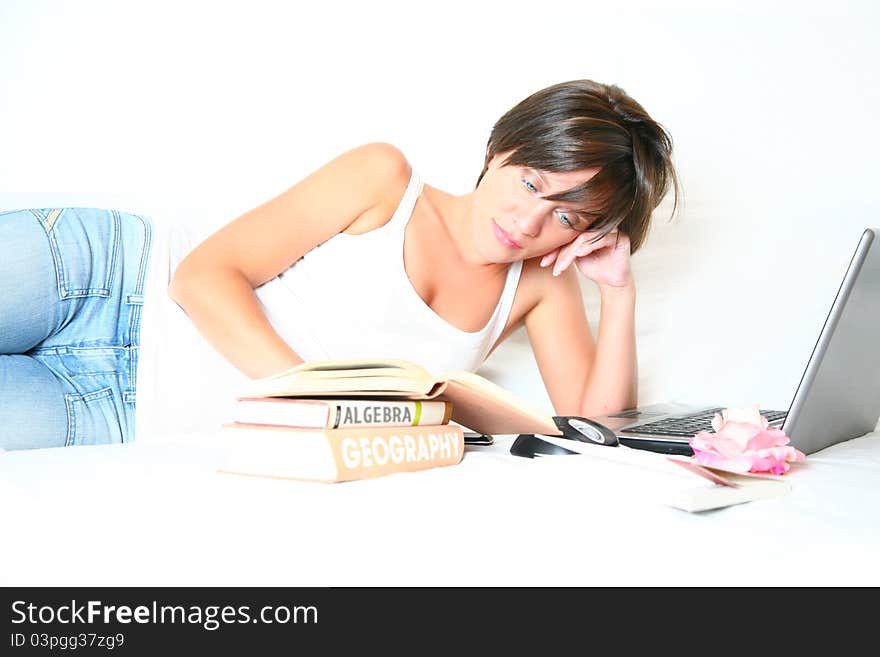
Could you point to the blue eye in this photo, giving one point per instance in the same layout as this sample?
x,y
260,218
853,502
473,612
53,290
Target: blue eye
x,y
565,220
562,217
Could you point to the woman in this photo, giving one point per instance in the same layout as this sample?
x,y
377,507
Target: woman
x,y
362,259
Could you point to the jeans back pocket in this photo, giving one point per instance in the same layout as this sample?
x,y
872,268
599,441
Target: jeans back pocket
x,y
85,247
93,418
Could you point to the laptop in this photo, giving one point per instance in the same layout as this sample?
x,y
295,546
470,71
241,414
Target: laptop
x,y
838,397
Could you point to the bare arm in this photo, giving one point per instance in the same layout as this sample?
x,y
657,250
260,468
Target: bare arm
x,y
223,307
215,283
584,377
612,382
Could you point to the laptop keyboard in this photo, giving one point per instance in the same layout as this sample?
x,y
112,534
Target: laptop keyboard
x,y
688,425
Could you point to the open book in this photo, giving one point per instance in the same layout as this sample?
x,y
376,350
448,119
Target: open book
x,y
477,403
676,481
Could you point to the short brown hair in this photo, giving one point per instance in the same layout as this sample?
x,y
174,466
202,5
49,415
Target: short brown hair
x,y
580,124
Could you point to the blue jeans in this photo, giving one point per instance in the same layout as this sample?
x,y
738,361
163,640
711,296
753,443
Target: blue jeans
x,y
71,296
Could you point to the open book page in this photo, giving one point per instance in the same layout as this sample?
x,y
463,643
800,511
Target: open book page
x,y
488,408
727,475
703,495
365,386
626,483
343,364
354,368
355,375
382,377
673,481
477,403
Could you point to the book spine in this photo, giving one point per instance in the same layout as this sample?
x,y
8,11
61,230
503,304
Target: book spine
x,y
373,413
363,452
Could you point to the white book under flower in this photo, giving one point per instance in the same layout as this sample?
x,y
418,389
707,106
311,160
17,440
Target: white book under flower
x,y
675,481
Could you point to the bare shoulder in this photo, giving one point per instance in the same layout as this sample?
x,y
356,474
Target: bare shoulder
x,y
381,160
389,171
268,239
538,284
540,299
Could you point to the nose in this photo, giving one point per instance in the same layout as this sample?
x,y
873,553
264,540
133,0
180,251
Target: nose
x,y
530,219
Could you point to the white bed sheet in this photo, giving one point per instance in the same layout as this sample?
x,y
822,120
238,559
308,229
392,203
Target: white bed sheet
x,y
158,514
152,514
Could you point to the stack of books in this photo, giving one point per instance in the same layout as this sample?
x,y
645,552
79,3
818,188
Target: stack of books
x,y
342,420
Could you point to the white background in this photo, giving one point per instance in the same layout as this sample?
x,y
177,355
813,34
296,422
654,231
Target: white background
x,y
213,108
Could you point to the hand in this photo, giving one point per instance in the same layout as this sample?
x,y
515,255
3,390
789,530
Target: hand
x,y
606,262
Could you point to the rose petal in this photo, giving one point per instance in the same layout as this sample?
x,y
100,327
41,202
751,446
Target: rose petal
x,y
766,439
736,464
768,463
744,442
740,432
716,443
775,459
747,414
790,454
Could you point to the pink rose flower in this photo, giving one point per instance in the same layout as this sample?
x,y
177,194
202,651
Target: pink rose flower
x,y
743,442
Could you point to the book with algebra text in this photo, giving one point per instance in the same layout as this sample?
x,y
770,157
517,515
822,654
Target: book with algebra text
x,y
335,455
336,413
477,403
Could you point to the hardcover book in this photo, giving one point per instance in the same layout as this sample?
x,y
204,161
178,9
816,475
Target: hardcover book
x,y
343,412
335,455
477,403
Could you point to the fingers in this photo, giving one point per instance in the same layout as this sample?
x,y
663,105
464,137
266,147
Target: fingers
x,y
578,248
549,258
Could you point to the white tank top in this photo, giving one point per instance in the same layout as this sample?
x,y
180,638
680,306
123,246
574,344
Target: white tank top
x,y
350,297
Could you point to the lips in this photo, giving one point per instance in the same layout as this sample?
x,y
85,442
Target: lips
x,y
504,238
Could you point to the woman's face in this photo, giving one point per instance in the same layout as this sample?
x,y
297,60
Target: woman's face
x,y
510,220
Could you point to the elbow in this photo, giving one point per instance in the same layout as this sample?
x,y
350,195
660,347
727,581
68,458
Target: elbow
x,y
186,278
175,288
595,406
190,282
594,411
182,282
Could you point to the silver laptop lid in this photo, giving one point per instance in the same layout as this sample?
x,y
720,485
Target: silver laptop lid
x,y
838,397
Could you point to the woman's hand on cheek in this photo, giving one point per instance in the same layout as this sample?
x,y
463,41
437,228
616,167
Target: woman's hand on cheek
x,y
606,262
